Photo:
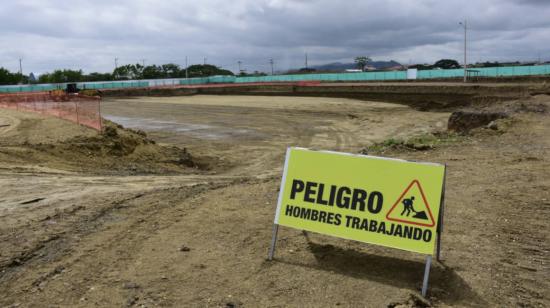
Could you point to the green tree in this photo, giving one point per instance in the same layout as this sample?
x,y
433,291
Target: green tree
x,y
6,77
98,77
421,66
60,76
129,71
490,64
447,64
9,78
206,70
362,61
152,72
44,78
171,70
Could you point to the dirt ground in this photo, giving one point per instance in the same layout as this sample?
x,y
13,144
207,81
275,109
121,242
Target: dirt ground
x,y
193,236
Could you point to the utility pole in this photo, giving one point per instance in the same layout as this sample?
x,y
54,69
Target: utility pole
x,y
465,25
205,58
21,69
143,62
306,60
239,62
186,66
116,68
271,62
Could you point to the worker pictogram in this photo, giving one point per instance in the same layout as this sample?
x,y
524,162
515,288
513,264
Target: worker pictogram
x,y
412,207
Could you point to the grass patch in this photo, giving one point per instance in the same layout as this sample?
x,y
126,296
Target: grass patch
x,y
424,142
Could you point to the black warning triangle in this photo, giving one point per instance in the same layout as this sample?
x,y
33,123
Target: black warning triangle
x,y
414,208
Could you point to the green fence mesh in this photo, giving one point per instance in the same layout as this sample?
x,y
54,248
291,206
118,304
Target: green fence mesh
x,y
402,75
507,71
208,80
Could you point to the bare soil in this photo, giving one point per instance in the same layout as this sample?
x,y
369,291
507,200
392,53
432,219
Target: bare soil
x,y
31,141
195,237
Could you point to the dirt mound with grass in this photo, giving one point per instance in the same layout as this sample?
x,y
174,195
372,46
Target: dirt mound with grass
x,y
464,121
114,150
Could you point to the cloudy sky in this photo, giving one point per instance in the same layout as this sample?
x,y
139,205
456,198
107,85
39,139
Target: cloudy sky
x,y
49,34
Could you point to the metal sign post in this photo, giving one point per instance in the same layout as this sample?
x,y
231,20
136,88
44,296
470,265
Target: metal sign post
x,y
273,242
426,275
438,244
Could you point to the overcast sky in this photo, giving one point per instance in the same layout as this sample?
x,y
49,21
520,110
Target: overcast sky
x,y
51,34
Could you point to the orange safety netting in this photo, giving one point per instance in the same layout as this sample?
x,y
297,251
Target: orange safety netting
x,y
84,110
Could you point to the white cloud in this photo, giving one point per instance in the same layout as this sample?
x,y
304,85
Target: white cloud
x,y
51,34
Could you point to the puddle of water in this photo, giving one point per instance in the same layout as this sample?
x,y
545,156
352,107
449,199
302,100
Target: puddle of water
x,y
195,130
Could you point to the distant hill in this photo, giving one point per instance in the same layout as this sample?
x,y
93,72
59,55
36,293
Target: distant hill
x,y
339,67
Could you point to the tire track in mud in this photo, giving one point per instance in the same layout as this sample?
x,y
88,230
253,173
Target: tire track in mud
x,y
62,202
8,123
99,231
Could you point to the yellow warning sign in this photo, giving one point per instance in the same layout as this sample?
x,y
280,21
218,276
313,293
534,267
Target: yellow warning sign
x,y
388,202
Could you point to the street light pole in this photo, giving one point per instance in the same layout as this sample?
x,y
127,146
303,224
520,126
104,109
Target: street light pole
x,y
21,69
465,25
186,66
115,73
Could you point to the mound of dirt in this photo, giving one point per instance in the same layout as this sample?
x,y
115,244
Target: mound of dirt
x,y
117,150
464,121
489,115
47,143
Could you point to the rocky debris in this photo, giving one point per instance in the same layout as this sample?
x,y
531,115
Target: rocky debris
x,y
414,301
132,300
493,125
464,121
233,304
184,248
531,107
131,285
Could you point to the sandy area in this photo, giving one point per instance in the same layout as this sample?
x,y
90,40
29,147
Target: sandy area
x,y
200,237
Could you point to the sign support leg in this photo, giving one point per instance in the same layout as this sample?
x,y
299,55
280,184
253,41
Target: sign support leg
x,y
438,243
426,275
273,242
440,222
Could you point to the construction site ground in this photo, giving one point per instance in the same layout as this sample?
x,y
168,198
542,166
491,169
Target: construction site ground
x,y
152,226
